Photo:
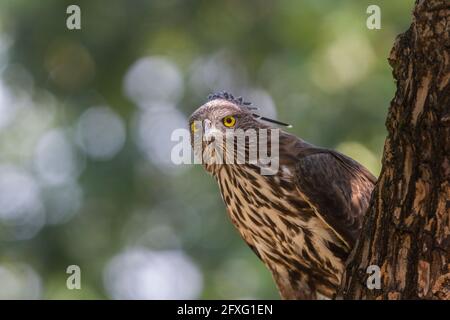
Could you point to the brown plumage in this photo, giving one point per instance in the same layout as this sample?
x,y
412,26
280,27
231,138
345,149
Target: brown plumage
x,y
302,221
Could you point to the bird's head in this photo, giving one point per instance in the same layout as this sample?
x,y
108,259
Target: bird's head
x,y
220,116
221,113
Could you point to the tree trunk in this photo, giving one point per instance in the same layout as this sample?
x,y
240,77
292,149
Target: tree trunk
x,y
407,227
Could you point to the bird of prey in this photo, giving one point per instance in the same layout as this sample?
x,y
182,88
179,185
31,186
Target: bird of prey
x,y
302,221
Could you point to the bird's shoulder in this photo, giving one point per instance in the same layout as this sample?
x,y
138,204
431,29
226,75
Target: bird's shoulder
x,y
336,186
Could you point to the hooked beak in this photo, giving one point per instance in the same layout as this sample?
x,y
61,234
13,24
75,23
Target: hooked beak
x,y
210,131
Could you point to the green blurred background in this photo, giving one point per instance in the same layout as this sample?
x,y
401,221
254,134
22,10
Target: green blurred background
x,y
85,122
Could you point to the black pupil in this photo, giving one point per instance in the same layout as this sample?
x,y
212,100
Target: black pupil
x,y
229,120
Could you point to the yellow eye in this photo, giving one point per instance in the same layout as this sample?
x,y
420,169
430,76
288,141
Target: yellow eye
x,y
193,127
229,121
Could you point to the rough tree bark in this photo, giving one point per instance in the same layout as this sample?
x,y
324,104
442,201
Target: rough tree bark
x,y
407,227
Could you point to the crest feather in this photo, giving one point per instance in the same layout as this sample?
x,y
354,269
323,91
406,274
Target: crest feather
x,y
239,101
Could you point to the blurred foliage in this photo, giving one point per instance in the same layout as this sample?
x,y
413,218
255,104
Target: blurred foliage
x,y
316,61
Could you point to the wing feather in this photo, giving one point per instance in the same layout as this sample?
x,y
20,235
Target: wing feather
x,y
337,187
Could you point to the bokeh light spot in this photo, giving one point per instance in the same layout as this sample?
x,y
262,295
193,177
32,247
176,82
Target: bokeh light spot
x,y
153,79
100,133
139,273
